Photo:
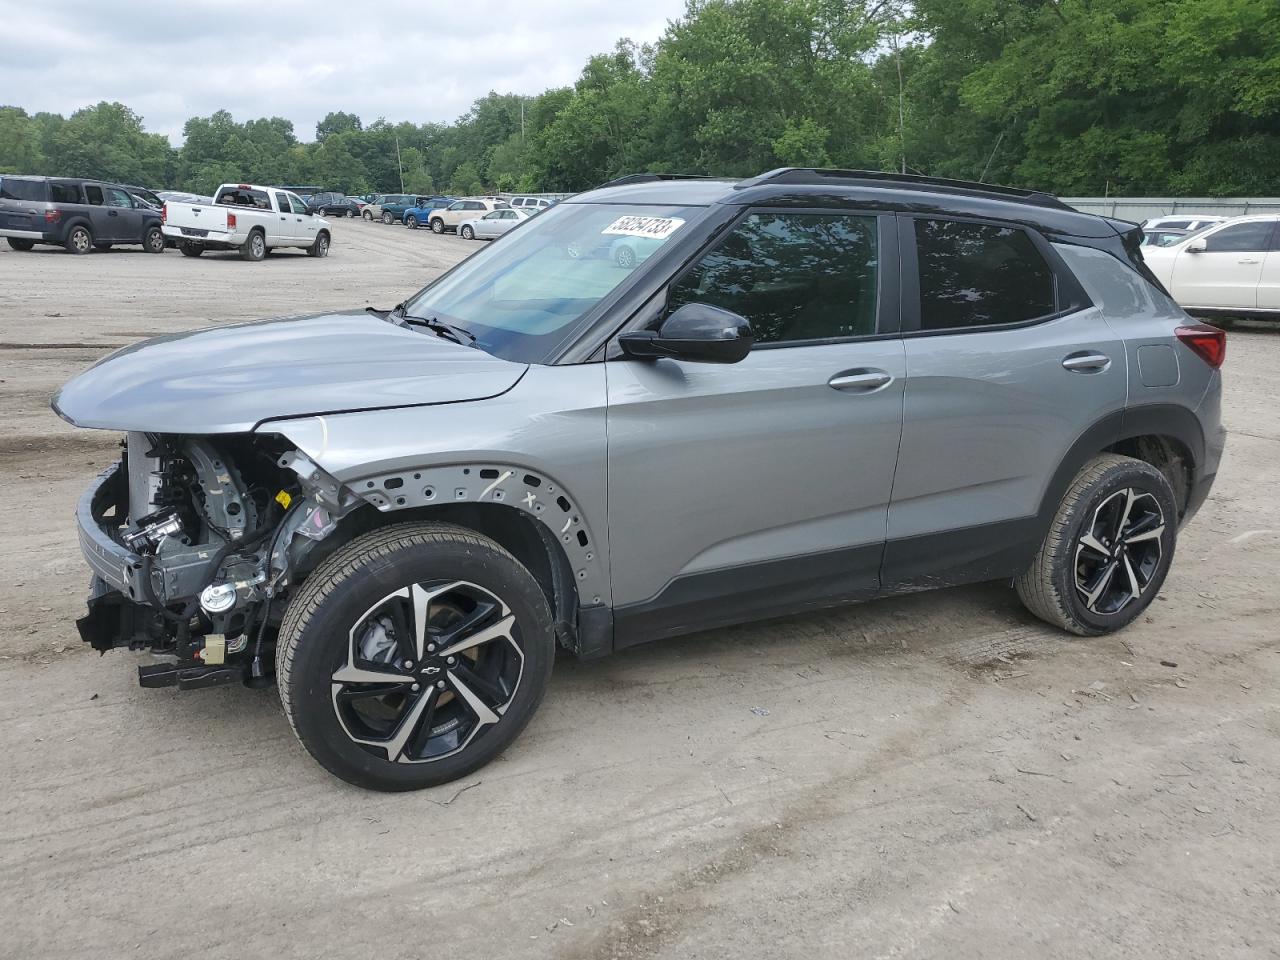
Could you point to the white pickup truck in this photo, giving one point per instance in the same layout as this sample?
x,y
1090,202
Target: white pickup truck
x,y
252,219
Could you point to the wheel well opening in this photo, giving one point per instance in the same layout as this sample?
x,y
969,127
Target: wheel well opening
x,y
1167,455
523,537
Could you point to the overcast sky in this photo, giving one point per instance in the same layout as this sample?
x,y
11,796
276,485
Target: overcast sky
x,y
425,61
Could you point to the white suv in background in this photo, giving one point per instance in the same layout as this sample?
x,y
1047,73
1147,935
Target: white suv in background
x,y
532,204
468,208
1231,269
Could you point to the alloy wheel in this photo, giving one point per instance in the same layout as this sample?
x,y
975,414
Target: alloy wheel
x,y
81,240
1118,551
427,670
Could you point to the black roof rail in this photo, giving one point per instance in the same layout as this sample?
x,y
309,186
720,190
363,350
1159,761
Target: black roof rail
x,y
653,178
817,175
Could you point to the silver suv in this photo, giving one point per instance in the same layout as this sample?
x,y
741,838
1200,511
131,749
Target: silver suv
x,y
815,387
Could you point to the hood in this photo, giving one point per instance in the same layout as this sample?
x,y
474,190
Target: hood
x,y
229,379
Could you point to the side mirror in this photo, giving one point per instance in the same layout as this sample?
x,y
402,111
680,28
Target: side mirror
x,y
1196,246
696,332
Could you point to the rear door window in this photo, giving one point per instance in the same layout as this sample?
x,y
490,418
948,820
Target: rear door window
x,y
32,191
93,194
282,202
980,275
64,193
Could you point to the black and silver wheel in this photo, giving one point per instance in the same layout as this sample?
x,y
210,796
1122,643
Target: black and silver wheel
x,y
437,225
368,215
320,246
413,656
411,221
350,213
625,257
255,247
1107,550
79,240
387,217
153,242
467,233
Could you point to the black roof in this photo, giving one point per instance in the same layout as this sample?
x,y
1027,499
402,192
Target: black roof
x,y
857,189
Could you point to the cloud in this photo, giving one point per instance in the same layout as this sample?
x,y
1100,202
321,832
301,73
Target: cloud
x,y
423,61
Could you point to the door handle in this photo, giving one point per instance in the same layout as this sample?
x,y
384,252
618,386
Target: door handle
x,y
861,381
112,213
1248,261
1086,362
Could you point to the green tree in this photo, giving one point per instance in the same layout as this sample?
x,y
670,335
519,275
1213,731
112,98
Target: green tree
x,y
19,142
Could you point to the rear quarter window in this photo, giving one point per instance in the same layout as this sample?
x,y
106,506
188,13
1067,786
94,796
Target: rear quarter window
x,y
32,191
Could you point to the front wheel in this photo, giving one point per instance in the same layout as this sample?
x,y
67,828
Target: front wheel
x,y
413,656
350,213
320,246
153,242
468,233
437,226
411,221
368,215
1108,548
387,218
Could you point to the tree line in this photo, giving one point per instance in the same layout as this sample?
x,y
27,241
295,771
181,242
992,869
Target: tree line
x,y
1080,97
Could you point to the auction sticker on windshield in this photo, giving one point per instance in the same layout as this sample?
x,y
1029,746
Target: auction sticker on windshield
x,y
655,228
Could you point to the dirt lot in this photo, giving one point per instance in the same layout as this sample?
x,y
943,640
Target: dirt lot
x,y
936,775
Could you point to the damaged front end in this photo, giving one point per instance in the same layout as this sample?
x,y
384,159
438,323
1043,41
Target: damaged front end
x,y
193,542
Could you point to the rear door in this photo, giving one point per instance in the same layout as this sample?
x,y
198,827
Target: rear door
x,y
762,486
102,222
1269,281
283,223
1227,271
22,205
1007,364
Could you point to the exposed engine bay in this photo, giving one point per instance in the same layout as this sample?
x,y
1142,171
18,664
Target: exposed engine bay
x,y
194,543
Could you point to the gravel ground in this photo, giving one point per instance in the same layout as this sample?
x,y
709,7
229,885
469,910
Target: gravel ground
x,y
933,775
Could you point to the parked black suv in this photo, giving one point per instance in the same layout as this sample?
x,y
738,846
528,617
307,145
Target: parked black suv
x,y
81,215
333,205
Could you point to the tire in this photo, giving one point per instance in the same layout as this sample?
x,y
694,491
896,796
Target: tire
x,y
350,213
190,249
437,225
411,221
153,240
79,240
18,243
320,246
467,233
387,218
339,630
254,247
367,215
102,247
1115,530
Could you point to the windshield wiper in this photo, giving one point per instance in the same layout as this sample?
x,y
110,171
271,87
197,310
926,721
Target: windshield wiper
x,y
438,327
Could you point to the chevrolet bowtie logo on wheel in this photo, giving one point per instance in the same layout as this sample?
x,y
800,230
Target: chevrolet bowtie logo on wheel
x,y
431,671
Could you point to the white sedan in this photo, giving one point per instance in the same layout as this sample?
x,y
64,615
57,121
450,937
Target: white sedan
x,y
493,224
1230,268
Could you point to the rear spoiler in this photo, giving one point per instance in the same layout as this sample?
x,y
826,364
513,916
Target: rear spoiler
x,y
1130,235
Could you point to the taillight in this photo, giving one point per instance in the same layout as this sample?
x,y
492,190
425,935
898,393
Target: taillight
x,y
52,216
164,213
231,221
1208,343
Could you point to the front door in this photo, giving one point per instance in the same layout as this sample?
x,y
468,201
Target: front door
x,y
124,218
1226,272
1007,364
761,487
304,227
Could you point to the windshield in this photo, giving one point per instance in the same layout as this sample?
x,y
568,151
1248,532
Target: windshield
x,y
523,296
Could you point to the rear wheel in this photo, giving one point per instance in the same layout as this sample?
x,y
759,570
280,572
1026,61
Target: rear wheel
x,y
413,656
467,233
1108,548
17,243
255,247
437,225
79,240
320,246
411,221
387,218
190,249
153,241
